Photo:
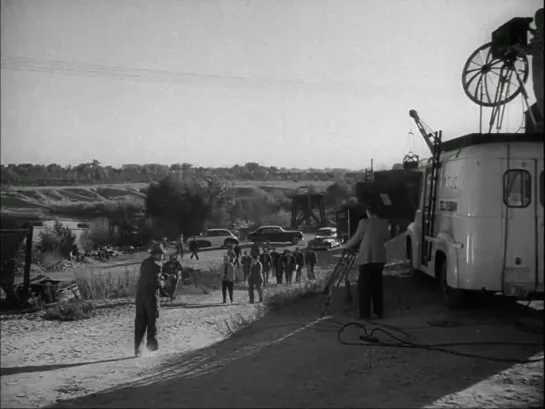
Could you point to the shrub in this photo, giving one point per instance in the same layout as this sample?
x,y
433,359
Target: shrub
x,y
100,233
58,240
72,311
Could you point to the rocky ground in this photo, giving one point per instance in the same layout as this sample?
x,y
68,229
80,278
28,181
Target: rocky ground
x,y
287,359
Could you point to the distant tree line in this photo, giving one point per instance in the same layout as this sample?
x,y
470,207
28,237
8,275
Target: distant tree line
x,y
93,172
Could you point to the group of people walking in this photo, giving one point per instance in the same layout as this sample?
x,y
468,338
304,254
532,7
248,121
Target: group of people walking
x,y
261,263
257,267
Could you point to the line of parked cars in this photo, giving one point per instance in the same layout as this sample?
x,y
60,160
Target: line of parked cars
x,y
325,238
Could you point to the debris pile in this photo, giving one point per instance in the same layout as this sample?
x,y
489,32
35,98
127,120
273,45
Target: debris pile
x,y
44,290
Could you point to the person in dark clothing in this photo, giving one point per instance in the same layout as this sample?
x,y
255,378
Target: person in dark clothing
x,y
280,267
237,251
255,280
228,279
274,257
194,248
371,235
299,263
147,300
246,262
311,260
265,259
255,251
289,266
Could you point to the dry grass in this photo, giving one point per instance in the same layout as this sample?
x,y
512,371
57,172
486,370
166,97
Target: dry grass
x,y
96,284
206,279
121,283
284,295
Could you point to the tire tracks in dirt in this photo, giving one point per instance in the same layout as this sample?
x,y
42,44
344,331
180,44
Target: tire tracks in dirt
x,y
43,361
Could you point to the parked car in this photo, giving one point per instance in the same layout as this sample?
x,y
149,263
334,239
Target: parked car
x,y
326,238
214,238
275,234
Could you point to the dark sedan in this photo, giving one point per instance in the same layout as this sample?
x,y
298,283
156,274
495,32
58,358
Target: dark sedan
x,y
275,234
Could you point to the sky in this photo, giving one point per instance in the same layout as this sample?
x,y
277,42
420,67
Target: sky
x,y
289,83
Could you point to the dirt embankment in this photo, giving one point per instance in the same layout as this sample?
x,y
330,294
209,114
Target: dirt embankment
x,y
42,197
287,359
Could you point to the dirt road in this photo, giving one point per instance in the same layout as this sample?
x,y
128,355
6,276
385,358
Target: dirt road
x,y
43,361
286,359
281,363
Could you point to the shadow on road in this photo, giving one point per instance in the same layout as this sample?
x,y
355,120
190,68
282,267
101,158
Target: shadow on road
x,y
289,360
42,368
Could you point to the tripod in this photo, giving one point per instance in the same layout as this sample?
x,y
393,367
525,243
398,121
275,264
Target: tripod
x,y
340,274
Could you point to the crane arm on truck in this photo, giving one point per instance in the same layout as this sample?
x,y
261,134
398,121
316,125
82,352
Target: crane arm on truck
x,y
430,137
433,140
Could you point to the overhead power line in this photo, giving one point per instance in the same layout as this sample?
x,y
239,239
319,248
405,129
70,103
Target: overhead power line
x,y
153,75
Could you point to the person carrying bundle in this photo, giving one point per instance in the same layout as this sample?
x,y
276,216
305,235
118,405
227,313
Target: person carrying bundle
x,y
147,300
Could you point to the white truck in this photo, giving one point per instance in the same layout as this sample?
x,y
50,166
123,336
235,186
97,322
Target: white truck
x,y
484,229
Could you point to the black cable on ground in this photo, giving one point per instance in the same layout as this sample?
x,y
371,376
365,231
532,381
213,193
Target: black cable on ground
x,y
370,339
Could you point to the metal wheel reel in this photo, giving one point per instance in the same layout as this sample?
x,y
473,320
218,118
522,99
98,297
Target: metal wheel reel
x,y
492,82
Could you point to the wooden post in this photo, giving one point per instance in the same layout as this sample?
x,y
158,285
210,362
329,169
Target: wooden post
x,y
28,262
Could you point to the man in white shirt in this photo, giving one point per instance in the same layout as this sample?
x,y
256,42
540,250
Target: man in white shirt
x,y
371,236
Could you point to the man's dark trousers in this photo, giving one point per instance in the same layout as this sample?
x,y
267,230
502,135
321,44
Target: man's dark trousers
x,y
147,312
370,287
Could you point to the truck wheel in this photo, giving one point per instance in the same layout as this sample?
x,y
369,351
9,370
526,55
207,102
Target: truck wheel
x,y
454,298
295,240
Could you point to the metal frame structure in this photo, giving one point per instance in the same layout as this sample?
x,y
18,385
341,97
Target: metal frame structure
x,y
303,209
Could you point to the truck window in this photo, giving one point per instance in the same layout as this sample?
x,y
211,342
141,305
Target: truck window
x,y
517,188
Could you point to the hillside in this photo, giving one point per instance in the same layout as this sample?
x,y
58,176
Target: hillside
x,y
64,199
